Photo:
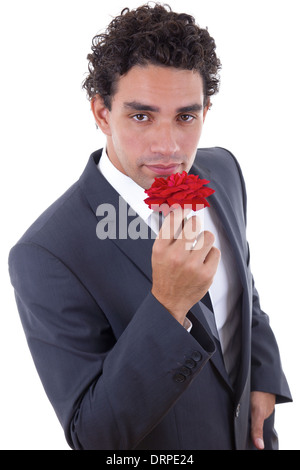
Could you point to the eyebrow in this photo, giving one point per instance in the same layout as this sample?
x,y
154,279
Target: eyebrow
x,y
192,108
137,106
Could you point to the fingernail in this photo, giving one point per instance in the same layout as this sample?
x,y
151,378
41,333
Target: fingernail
x,y
259,443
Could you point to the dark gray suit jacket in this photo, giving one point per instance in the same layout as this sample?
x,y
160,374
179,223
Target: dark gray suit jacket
x,y
119,370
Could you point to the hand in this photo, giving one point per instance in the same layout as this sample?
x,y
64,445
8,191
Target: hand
x,y
262,406
182,273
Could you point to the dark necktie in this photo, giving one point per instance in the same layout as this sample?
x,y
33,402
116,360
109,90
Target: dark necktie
x,y
160,220
208,311
206,300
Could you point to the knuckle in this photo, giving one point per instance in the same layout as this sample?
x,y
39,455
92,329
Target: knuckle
x,y
209,271
158,249
209,237
216,252
176,259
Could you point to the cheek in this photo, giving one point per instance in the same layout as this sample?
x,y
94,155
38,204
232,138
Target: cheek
x,y
121,139
189,139
133,144
125,135
127,149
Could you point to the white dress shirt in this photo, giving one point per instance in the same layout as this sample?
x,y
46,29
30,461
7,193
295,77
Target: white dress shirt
x,y
225,290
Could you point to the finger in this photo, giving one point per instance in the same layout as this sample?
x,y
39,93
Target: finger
x,y
257,431
204,243
213,258
191,231
173,223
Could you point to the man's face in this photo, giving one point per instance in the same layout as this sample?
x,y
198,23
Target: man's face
x,y
155,122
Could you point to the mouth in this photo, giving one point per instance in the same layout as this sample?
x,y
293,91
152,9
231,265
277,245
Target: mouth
x,y
163,170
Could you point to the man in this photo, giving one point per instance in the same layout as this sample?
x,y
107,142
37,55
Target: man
x,y
132,349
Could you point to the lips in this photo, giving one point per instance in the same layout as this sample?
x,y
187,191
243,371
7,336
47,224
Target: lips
x,y
163,169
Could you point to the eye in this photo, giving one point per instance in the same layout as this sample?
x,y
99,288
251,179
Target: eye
x,y
186,117
140,117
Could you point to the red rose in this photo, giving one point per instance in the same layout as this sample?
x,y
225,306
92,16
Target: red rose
x,y
178,189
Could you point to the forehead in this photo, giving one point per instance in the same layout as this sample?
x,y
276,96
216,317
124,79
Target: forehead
x,y
158,86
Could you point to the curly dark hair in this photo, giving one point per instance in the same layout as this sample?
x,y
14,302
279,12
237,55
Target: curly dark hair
x,y
150,35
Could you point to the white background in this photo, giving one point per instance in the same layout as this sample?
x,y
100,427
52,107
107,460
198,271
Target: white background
x,y
47,134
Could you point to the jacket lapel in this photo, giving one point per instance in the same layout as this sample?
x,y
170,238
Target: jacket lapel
x,y
221,203
98,191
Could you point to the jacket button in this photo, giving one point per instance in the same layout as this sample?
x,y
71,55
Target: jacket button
x,y
196,356
185,371
190,363
237,411
179,378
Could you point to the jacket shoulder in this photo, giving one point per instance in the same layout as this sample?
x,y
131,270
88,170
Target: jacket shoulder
x,y
58,211
220,164
220,158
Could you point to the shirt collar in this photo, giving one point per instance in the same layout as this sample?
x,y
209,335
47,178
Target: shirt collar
x,y
128,189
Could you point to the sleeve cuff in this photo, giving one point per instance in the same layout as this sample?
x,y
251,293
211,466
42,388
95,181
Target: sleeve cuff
x,y
187,324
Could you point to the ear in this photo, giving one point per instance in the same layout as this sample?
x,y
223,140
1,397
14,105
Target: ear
x,y
101,114
207,107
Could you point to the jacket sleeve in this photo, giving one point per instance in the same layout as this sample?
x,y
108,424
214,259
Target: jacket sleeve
x,y
107,394
266,370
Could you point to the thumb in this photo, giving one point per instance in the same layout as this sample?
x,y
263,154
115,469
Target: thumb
x,y
257,431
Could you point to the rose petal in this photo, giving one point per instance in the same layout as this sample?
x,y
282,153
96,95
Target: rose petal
x,y
179,188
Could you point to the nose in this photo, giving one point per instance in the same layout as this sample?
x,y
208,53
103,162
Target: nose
x,y
164,140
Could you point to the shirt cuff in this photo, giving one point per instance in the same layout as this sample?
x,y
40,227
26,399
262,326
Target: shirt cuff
x,y
187,324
